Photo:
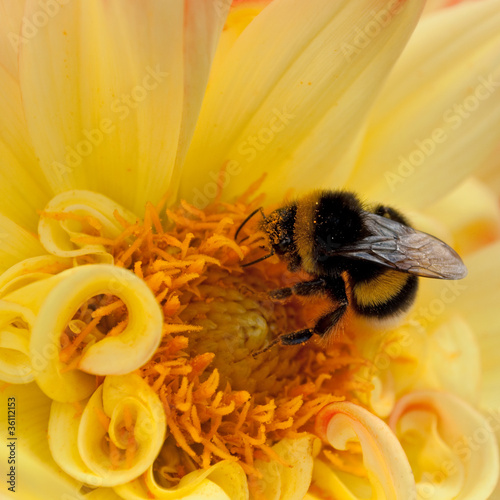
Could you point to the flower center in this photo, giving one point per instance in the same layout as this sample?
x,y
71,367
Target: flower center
x,y
220,401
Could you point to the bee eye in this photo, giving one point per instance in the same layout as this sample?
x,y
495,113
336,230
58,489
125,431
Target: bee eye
x,y
284,243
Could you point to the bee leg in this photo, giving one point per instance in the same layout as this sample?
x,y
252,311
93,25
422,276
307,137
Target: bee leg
x,y
293,338
322,326
305,288
335,288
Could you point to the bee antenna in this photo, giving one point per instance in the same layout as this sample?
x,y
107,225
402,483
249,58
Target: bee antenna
x,y
260,259
247,219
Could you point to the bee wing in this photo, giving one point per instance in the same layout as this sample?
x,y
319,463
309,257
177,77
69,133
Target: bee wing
x,y
400,247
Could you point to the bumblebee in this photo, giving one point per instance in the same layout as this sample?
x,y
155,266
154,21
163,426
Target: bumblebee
x,y
374,252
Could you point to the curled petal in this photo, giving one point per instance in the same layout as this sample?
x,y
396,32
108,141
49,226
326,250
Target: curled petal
x,y
388,470
31,270
452,447
396,361
289,478
115,439
64,422
16,323
118,354
454,362
225,481
133,410
71,217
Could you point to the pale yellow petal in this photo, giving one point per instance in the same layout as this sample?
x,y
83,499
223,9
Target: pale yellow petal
x,y
16,323
64,422
30,270
240,15
454,363
451,446
389,475
13,33
59,297
135,415
293,105
433,5
34,461
490,377
16,244
472,213
396,363
203,23
23,189
290,479
60,236
478,295
103,94
489,172
224,480
438,116
478,304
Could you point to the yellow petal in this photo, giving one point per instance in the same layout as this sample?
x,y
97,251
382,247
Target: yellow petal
x,y
451,447
203,23
489,172
16,244
224,480
46,480
478,295
396,362
290,479
145,426
16,323
389,472
59,236
438,116
293,105
23,189
472,214
478,304
118,354
454,363
103,94
240,15
30,270
64,422
11,30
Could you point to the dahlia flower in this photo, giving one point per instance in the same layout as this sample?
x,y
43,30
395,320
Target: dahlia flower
x,y
135,139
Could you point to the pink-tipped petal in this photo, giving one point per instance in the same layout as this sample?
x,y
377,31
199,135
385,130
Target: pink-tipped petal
x,y
388,470
451,446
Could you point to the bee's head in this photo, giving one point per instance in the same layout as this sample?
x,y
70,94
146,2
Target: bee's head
x,y
279,227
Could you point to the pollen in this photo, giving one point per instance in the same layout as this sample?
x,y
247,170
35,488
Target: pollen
x,y
221,402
